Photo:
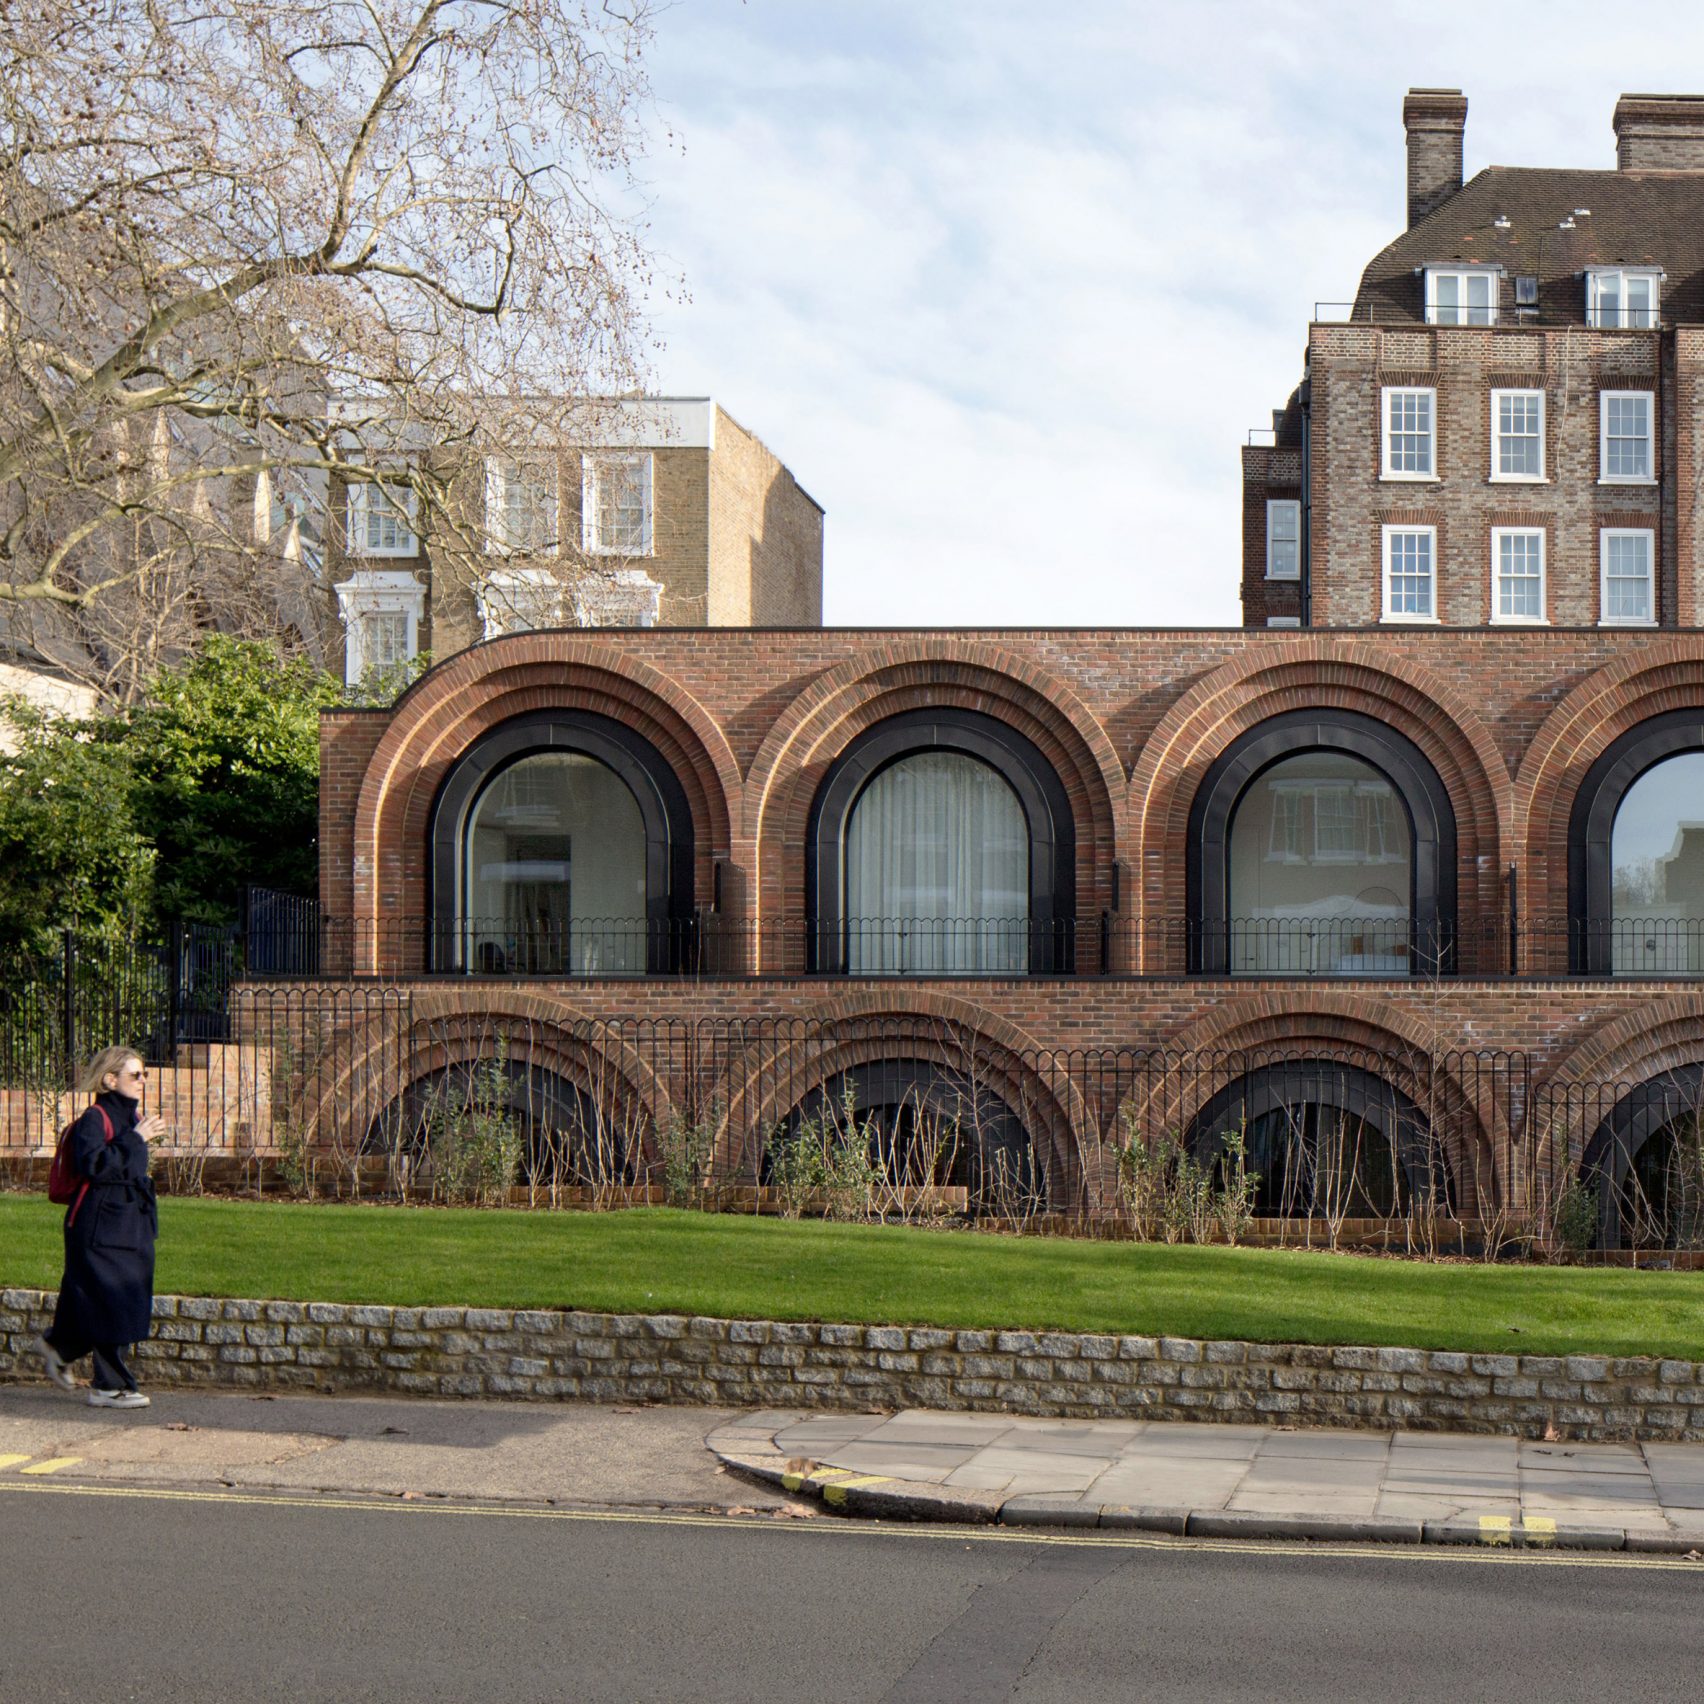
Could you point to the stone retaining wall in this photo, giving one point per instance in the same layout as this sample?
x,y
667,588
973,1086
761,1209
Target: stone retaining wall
x,y
334,1346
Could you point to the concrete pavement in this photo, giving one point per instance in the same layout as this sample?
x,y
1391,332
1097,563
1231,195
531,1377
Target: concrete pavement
x,y
568,1454
1222,1481
1186,1480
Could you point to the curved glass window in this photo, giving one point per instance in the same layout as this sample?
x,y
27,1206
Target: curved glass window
x,y
1326,1139
474,1130
555,871
1645,1165
1321,871
1660,1196
919,1125
937,854
1657,871
1315,1161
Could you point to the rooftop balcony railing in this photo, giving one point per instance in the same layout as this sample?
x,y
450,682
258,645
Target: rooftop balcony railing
x,y
1504,315
301,942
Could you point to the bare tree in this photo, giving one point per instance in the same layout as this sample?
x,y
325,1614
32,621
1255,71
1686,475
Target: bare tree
x,y
256,252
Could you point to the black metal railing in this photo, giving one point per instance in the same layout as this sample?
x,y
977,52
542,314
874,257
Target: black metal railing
x,y
365,1088
297,939
1400,313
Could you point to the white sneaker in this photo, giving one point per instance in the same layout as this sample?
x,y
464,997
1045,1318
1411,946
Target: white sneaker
x,y
117,1399
56,1368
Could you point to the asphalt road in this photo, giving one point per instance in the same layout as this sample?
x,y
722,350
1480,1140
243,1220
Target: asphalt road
x,y
163,1596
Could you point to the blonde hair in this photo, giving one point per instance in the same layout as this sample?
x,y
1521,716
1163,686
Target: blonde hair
x,y
108,1062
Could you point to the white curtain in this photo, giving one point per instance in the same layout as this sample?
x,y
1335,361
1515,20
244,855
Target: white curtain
x,y
555,878
937,871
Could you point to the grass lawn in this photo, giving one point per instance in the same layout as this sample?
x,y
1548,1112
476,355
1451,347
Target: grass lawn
x,y
656,1261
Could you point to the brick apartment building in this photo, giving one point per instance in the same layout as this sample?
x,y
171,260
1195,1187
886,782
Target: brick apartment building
x,y
1417,854
679,517
1505,428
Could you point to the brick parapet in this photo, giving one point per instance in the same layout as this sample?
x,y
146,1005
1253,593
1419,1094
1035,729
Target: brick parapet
x,y
548,1354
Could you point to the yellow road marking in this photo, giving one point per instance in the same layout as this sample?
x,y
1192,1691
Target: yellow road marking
x,y
1433,1553
836,1494
1539,1529
818,1476
1495,1529
52,1466
11,1460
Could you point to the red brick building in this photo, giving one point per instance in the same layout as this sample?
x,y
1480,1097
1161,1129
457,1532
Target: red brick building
x,y
1412,898
1504,427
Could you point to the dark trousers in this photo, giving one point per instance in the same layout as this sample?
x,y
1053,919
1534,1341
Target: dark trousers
x,y
111,1373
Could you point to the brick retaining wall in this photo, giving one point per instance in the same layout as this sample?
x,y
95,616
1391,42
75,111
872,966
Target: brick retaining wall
x,y
334,1346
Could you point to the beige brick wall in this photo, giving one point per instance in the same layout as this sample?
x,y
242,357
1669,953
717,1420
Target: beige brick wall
x,y
736,542
765,537
1350,365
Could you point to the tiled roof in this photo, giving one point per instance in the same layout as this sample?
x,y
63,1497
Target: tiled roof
x,y
1636,219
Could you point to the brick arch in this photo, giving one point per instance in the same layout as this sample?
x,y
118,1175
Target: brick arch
x,y
1662,675
1655,1036
453,705
873,1026
1585,1084
919,674
1377,1035
1318,674
371,1063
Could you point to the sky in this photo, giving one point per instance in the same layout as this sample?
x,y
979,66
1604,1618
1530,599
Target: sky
x,y
1007,285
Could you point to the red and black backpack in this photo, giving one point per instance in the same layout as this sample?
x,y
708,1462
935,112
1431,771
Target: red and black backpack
x,y
66,1187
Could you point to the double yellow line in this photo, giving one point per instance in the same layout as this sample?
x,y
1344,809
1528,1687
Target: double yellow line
x,y
1486,1553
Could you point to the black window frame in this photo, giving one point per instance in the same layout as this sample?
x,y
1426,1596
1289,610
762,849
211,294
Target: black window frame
x,y
1340,1086
1591,830
648,775
1017,760
1424,797
884,1085
1643,1112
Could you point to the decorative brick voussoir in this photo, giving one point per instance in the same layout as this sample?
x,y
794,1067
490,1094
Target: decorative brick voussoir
x,y
550,1356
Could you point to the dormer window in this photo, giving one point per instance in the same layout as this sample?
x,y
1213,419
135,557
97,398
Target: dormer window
x,y
1462,295
1623,297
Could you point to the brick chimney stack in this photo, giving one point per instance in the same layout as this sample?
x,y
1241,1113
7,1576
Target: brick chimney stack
x,y
1434,120
1656,133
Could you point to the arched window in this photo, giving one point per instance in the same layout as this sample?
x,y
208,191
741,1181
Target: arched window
x,y
1322,844
1645,1165
941,844
923,1124
1322,870
1636,854
1327,1140
476,1128
562,846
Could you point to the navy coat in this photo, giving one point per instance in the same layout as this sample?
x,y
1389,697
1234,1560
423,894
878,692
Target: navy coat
x,y
107,1293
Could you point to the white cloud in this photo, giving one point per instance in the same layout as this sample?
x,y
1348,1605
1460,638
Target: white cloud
x,y
1006,291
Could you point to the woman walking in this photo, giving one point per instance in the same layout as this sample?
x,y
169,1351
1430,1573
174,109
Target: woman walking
x,y
106,1298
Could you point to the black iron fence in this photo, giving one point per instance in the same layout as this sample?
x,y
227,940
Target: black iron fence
x,y
366,1088
285,936
59,1006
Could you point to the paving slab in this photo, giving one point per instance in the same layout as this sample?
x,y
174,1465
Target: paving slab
x,y
1187,1487
930,1463
1198,1480
1331,1446
1299,1472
